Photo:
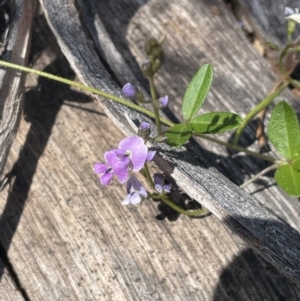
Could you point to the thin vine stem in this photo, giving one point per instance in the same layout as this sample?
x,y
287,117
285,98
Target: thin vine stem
x,y
195,213
87,88
239,148
263,104
147,175
134,106
263,172
155,104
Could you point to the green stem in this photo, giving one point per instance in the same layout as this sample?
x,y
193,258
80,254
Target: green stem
x,y
295,83
155,104
90,89
195,213
263,104
269,168
280,62
147,175
293,50
239,148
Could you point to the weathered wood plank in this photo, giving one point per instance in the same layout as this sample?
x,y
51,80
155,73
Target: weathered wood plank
x,y
266,18
240,211
16,51
74,241
8,290
66,246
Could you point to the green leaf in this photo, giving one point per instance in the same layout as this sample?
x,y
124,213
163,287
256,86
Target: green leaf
x,y
296,164
216,122
288,179
179,134
196,91
283,130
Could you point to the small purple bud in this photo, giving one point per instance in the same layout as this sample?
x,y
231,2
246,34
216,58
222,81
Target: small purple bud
x,y
144,130
160,184
163,101
129,91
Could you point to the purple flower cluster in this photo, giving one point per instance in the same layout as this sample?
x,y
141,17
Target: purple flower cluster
x,y
130,156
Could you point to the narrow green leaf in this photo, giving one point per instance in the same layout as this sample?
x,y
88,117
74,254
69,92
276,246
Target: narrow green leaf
x,y
196,91
283,130
216,122
179,134
288,179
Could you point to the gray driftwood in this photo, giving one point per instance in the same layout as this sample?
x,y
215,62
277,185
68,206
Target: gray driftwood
x,y
273,239
67,238
16,50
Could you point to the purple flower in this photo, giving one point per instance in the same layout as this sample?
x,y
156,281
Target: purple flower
x,y
163,101
136,192
160,185
113,166
135,149
105,173
129,91
130,156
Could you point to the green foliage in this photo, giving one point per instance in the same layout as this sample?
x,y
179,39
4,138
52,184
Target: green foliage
x,y
296,163
216,122
284,132
196,92
288,179
179,134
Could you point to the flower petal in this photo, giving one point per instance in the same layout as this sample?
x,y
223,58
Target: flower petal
x,y
150,155
100,168
105,179
136,186
121,171
288,11
158,182
135,198
131,143
138,158
113,156
126,201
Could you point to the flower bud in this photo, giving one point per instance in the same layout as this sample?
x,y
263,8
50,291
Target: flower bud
x,y
139,96
160,184
129,91
144,130
147,68
163,101
150,45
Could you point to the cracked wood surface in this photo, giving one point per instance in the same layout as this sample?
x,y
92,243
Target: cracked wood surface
x,y
68,239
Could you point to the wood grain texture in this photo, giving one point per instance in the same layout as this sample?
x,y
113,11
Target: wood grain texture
x,y
8,289
17,50
204,185
267,18
69,238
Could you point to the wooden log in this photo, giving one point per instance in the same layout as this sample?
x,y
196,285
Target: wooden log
x,y
261,229
68,238
16,51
